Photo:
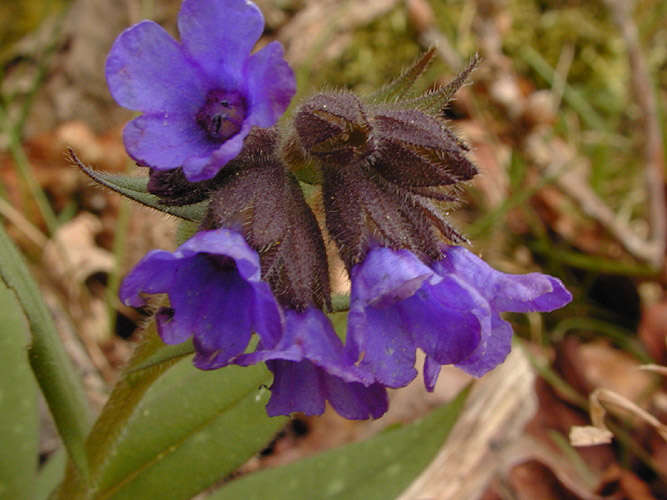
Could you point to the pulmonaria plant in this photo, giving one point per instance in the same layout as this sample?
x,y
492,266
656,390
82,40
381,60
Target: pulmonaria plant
x,y
388,168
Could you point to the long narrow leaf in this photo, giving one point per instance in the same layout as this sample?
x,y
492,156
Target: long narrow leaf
x,y
50,475
55,374
120,407
19,427
377,469
165,419
135,188
192,429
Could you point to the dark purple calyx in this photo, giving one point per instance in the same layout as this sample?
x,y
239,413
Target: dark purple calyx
x,y
222,115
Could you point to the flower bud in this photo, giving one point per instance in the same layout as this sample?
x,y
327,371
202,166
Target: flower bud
x,y
416,149
363,210
334,128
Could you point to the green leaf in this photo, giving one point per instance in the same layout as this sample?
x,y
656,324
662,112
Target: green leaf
x,y
340,302
135,188
165,354
19,430
142,370
50,475
380,468
186,229
55,374
191,429
170,430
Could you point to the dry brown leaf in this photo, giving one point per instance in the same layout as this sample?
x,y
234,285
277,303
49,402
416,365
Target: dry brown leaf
x,y
662,370
492,158
589,435
72,256
653,331
533,480
622,484
609,368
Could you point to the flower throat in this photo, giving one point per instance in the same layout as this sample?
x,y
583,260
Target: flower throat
x,y
222,115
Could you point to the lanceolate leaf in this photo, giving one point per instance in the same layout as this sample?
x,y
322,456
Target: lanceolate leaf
x,y
120,407
169,430
19,431
50,475
165,354
135,188
55,374
380,468
192,429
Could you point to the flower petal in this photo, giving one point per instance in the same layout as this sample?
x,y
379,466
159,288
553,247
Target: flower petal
x,y
204,167
386,276
209,303
494,347
165,141
216,295
267,319
296,387
222,318
226,243
355,401
152,274
387,346
314,332
309,335
219,35
431,373
505,292
446,319
271,85
147,70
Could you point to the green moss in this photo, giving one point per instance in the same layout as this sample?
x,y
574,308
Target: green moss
x,y
365,63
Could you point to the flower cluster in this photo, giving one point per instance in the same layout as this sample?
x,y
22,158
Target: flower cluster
x,y
387,167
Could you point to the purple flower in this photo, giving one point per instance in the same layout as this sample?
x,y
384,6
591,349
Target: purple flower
x,y
215,292
200,97
310,367
451,310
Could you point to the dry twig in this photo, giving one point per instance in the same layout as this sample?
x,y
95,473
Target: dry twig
x,y
496,412
653,147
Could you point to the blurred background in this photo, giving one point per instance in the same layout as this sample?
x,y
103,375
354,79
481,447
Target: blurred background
x,y
565,119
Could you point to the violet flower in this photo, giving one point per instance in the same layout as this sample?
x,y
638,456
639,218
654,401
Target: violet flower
x,y
199,97
216,296
310,366
450,310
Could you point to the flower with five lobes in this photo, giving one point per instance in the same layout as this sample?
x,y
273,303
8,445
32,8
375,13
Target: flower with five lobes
x,y
450,309
199,97
216,296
